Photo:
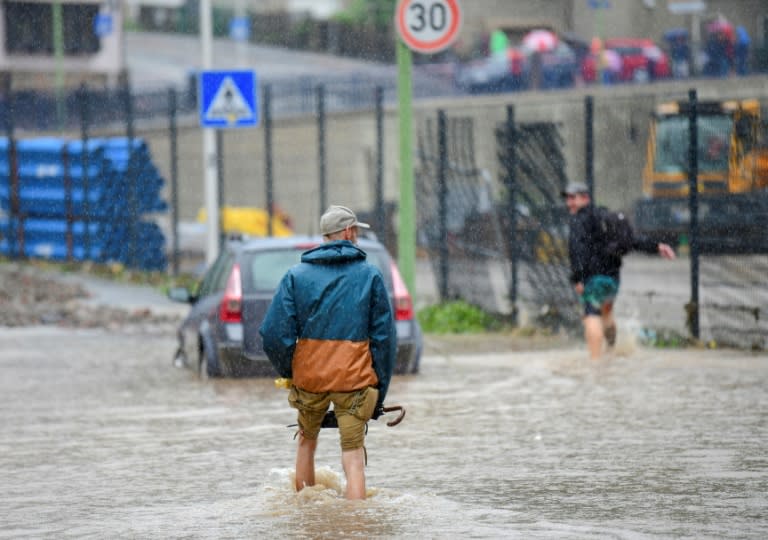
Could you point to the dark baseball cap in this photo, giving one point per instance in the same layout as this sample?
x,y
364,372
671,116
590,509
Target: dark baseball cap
x,y
574,188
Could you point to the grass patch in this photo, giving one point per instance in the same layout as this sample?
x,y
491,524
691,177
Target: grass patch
x,y
457,317
664,339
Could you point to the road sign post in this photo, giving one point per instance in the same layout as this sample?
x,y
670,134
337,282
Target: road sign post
x,y
226,99
406,237
210,173
427,27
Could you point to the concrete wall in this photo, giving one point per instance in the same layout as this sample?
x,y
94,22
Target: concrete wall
x,y
350,167
621,127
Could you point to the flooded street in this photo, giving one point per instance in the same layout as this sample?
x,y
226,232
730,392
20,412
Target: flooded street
x,y
103,438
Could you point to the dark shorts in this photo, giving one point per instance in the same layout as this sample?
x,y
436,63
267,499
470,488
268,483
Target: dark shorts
x,y
352,409
598,291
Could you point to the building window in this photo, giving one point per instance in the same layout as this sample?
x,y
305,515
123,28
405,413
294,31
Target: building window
x,y
29,28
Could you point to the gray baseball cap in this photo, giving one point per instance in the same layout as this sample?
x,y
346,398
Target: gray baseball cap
x,y
337,218
574,188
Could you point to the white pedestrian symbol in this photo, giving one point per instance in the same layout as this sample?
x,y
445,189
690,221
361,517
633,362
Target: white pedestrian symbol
x,y
228,104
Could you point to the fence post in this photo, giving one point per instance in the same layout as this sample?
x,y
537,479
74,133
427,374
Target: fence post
x,y
442,186
174,180
84,162
589,145
15,218
220,181
693,205
321,145
511,173
380,216
69,213
132,203
268,181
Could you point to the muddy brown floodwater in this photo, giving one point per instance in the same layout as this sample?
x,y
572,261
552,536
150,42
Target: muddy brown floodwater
x,y
103,438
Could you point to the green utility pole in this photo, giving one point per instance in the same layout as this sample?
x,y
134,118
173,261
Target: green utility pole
x,y
58,53
406,246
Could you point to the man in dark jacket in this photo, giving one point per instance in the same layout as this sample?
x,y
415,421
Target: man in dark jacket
x,y
330,329
595,269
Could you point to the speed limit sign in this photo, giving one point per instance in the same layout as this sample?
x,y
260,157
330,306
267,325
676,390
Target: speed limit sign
x,y
428,26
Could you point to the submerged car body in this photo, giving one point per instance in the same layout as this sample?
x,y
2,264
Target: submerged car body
x,y
220,335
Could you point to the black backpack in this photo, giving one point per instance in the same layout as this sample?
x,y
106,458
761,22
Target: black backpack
x,y
618,238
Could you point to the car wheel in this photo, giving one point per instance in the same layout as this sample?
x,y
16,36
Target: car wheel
x,y
415,367
207,365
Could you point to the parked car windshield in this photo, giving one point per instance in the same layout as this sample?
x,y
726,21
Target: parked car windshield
x,y
266,268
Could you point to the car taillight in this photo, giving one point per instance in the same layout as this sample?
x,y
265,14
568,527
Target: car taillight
x,y
231,307
403,302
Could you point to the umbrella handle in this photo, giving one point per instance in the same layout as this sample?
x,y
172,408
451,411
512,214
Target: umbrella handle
x,y
399,417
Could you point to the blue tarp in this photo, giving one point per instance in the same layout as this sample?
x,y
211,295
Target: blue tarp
x,y
120,184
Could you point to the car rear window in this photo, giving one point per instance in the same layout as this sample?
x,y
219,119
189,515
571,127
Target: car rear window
x,y
266,268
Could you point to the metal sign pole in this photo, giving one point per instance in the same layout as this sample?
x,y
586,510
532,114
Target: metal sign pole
x,y
406,247
210,176
426,27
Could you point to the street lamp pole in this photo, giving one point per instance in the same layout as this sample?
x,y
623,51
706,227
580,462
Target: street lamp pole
x,y
209,145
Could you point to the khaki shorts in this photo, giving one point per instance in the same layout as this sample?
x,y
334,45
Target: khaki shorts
x,y
352,409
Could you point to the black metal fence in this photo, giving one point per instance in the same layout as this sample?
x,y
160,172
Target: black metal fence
x,y
88,111
459,222
35,110
512,251
533,165
496,245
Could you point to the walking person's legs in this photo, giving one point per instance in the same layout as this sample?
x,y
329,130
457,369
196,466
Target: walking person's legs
x,y
311,410
353,462
593,335
609,323
353,410
597,297
305,462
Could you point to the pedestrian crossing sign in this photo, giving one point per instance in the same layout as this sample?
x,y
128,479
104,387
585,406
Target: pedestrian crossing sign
x,y
228,99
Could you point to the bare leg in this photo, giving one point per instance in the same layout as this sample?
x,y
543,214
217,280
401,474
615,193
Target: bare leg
x,y
609,324
305,462
593,335
353,462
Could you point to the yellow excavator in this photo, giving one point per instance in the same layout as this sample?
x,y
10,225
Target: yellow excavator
x,y
732,176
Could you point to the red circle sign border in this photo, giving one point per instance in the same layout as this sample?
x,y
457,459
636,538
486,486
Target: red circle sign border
x,y
428,46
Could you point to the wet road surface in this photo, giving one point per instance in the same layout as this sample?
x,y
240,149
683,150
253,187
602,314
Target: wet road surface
x,y
103,438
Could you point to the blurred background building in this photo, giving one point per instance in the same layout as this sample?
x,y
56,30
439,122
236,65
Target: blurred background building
x,y
67,42
63,43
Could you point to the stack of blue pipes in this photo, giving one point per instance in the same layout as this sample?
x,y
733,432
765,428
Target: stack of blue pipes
x,y
66,200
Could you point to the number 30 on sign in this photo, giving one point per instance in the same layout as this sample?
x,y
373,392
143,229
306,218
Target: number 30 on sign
x,y
428,26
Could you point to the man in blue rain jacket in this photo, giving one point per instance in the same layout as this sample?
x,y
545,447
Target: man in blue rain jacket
x,y
330,329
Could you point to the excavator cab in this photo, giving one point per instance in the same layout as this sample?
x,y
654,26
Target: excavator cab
x,y
732,179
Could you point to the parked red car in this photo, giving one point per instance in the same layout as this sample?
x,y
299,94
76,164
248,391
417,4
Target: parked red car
x,y
641,60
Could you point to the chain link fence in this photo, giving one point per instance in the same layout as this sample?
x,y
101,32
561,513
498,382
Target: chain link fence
x,y
456,202
705,191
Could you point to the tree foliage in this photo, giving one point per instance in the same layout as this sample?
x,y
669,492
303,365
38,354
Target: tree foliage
x,y
377,13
